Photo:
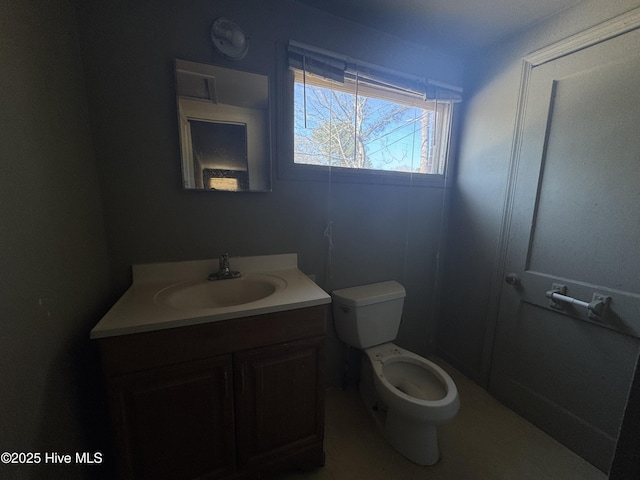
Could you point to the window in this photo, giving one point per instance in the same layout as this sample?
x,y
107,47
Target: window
x,y
361,119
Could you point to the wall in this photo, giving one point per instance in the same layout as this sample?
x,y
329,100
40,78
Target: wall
x,y
465,330
54,278
380,232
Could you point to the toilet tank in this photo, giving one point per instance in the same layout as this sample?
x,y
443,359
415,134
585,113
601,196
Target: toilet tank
x,y
368,315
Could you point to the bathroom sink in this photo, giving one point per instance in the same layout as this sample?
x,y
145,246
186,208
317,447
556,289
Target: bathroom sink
x,y
207,294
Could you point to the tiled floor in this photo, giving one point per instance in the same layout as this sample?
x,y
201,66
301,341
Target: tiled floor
x,y
486,441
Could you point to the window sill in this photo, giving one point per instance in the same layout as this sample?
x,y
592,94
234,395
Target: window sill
x,y
317,173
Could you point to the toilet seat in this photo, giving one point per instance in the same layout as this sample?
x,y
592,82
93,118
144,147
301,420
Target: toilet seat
x,y
412,384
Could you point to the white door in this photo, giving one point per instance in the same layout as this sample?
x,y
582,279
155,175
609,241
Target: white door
x,y
574,226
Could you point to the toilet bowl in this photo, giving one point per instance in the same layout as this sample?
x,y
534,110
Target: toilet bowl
x,y
416,394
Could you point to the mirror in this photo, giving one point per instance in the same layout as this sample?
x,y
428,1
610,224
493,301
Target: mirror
x,y
225,137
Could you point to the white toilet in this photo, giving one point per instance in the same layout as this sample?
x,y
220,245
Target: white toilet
x,y
417,394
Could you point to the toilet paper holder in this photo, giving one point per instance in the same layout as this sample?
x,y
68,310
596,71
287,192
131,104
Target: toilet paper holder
x,y
558,300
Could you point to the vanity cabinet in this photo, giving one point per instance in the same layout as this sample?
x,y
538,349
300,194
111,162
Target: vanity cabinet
x,y
277,395
229,399
175,422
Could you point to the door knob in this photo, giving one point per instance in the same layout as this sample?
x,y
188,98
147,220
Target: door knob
x,y
512,279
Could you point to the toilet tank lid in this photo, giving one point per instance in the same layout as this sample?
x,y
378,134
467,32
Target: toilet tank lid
x,y
369,294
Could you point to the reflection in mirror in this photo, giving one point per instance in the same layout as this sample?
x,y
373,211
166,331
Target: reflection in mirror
x,y
224,128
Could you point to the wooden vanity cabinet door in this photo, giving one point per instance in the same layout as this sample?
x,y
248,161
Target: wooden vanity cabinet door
x,y
176,422
280,405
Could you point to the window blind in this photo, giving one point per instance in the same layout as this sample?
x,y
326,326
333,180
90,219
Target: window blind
x,y
339,68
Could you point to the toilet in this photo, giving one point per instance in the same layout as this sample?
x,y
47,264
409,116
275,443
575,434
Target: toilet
x,y
416,394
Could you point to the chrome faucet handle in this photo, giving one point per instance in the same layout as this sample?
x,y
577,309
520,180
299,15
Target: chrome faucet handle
x,y
224,270
223,263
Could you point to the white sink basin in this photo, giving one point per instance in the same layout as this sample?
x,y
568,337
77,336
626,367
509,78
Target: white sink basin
x,y
177,294
207,294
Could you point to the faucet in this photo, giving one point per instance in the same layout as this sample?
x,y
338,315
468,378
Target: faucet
x,y
224,270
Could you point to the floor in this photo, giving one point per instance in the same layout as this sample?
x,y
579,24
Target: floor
x,y
486,441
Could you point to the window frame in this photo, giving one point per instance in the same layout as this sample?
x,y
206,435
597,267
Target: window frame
x,y
289,170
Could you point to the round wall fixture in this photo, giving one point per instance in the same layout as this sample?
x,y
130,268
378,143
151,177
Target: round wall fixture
x,y
229,39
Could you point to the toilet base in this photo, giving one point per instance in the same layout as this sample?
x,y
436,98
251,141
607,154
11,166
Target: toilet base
x,y
416,441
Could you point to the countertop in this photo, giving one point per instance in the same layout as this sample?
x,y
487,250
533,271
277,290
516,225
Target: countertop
x,y
138,311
